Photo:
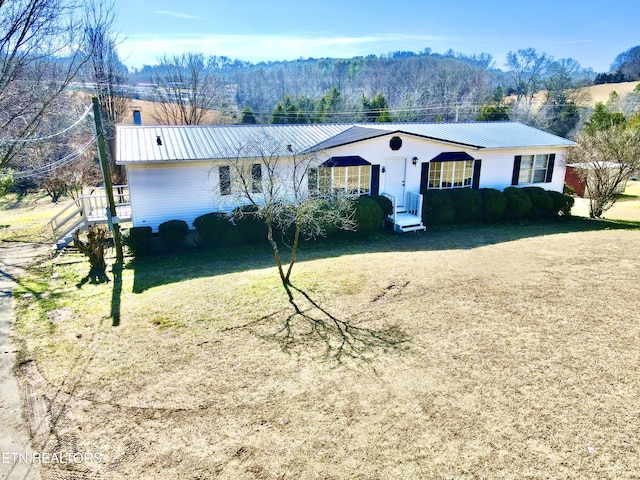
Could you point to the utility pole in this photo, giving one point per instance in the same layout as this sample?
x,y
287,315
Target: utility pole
x,y
106,175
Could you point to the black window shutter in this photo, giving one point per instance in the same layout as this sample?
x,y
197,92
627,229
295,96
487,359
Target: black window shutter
x,y
375,179
225,179
516,170
475,183
424,177
312,179
550,165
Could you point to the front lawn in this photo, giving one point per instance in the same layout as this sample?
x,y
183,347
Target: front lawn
x,y
476,352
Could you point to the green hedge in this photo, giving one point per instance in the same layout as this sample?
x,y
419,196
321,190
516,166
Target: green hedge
x,y
562,204
138,241
518,203
173,233
541,203
212,228
494,204
368,215
251,227
467,204
385,204
437,208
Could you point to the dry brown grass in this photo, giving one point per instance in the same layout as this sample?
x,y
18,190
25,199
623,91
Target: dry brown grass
x,y
592,94
149,111
520,361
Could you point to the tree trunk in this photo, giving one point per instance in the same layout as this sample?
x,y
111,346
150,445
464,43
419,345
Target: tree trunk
x,y
294,249
276,253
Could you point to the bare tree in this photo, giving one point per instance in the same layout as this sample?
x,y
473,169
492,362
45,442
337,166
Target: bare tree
x,y
39,57
564,96
187,92
274,179
105,75
527,69
606,159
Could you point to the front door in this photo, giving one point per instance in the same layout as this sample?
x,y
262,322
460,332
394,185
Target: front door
x,y
394,178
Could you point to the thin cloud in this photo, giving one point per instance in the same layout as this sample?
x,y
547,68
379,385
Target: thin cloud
x,y
178,15
145,49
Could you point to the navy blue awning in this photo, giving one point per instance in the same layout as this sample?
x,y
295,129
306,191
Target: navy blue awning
x,y
352,161
452,157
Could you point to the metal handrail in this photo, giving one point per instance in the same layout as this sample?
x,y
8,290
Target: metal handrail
x,y
92,199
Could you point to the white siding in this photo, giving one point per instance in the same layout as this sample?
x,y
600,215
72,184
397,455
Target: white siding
x,y
186,190
497,164
161,192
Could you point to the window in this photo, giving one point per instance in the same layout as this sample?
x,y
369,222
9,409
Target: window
x,y
533,169
339,181
225,179
256,178
312,178
445,175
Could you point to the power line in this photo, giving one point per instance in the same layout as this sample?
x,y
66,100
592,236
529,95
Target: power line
x,y
47,137
44,169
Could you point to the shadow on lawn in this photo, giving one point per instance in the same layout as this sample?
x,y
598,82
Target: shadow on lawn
x,y
186,265
310,323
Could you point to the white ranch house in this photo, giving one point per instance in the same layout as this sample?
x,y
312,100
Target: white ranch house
x,y
182,172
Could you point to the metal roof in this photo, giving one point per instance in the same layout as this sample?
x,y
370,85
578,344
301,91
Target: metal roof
x,y
479,134
207,142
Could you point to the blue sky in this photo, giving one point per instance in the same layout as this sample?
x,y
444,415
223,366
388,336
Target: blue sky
x,y
288,29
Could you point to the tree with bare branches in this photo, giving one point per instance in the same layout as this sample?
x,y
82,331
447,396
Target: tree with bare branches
x,y
187,92
39,58
105,75
275,182
605,160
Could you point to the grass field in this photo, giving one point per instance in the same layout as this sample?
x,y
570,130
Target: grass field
x,y
464,352
25,218
484,352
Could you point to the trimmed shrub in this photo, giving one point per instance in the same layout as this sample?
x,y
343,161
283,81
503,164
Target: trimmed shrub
x,y
437,208
138,241
467,204
251,227
232,238
385,204
173,233
568,189
561,204
541,203
494,204
212,227
565,210
518,203
368,215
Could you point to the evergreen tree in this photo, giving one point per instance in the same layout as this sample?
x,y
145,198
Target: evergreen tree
x,y
602,118
329,106
377,109
493,113
247,117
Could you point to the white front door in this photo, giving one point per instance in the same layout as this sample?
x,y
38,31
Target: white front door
x,y
394,178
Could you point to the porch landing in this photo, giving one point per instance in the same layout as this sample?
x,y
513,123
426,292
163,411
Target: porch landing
x,y
407,222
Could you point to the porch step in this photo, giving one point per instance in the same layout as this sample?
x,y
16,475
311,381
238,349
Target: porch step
x,y
406,222
63,242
